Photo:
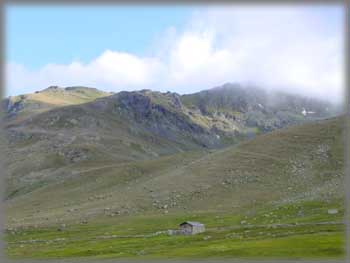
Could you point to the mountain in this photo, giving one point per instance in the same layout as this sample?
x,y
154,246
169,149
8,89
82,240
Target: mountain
x,y
227,108
26,105
75,126
299,163
242,108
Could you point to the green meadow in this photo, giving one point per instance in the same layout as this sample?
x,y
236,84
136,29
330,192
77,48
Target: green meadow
x,y
299,231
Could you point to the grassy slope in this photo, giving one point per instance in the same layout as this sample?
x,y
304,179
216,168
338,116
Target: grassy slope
x,y
298,163
103,131
51,98
287,176
100,133
224,237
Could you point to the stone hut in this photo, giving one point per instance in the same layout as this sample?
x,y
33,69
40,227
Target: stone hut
x,y
191,228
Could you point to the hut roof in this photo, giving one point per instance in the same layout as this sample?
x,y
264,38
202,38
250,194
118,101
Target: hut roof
x,y
192,223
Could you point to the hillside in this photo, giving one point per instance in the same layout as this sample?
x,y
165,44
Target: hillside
x,y
61,128
300,163
125,127
26,105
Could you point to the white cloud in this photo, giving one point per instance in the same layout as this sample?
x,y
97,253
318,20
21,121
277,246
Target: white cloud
x,y
110,70
122,69
296,49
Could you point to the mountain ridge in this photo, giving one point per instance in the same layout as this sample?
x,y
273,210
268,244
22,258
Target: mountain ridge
x,y
231,106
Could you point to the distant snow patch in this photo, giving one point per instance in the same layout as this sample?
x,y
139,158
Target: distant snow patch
x,y
305,112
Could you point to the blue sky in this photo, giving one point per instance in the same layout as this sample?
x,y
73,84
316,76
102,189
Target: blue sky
x,y
40,35
294,48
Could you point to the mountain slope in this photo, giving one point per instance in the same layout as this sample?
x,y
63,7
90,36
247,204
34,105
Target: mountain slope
x,y
77,126
245,108
124,127
24,106
303,162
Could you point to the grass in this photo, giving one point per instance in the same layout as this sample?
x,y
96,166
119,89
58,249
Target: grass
x,y
48,99
321,245
225,236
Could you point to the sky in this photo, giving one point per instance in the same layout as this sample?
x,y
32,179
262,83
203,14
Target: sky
x,y
183,49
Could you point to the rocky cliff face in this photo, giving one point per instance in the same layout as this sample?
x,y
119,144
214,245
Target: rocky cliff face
x,y
163,115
